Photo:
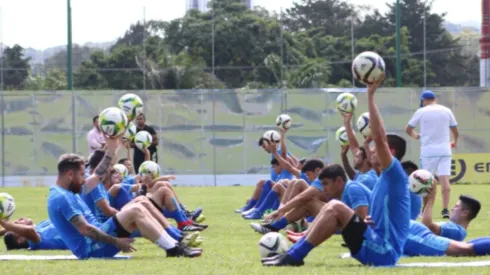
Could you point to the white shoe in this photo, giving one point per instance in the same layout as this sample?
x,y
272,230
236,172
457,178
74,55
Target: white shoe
x,y
246,213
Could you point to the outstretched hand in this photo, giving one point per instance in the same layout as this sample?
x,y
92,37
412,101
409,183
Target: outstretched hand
x,y
372,87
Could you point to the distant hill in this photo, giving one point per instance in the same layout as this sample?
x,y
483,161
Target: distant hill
x,y
454,28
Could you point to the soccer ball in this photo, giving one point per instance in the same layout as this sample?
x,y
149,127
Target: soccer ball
x,y
121,169
284,121
272,136
113,121
420,182
341,136
271,244
143,139
149,168
131,104
130,132
346,103
367,67
7,206
363,124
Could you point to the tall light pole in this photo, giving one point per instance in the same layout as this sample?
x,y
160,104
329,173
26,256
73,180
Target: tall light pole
x,y
69,47
398,47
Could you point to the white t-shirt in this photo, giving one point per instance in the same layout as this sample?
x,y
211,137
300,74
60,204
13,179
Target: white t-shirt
x,y
435,122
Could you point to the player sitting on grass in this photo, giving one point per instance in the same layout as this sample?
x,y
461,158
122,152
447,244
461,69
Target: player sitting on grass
x,y
89,239
365,174
263,187
389,211
462,213
424,242
334,184
164,200
23,233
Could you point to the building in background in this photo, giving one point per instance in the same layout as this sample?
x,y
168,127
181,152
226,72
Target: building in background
x,y
202,5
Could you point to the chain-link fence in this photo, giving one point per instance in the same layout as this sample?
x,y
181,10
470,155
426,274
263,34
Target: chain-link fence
x,y
207,132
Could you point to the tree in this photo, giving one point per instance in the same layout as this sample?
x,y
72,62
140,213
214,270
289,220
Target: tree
x,y
16,67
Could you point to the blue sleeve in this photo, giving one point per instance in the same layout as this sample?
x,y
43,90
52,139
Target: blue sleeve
x,y
452,231
318,185
396,179
415,206
356,175
97,194
67,205
129,180
356,195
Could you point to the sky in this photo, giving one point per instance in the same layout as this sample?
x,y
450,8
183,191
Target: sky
x,y
42,23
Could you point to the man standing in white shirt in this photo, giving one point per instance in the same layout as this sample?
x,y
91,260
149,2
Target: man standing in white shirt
x,y
436,121
95,137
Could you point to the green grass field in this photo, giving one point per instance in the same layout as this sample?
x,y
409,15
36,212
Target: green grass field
x,y
31,151
230,245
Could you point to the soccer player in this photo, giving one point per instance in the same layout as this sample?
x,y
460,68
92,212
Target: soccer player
x,y
139,155
333,182
89,239
415,200
365,174
382,244
463,212
436,123
23,233
437,240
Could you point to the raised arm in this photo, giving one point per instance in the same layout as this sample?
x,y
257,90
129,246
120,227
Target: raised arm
x,y
351,136
27,231
345,162
427,215
286,165
101,170
377,128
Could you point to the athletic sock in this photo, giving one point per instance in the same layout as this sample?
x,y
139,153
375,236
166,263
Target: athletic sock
x,y
166,242
173,233
280,224
251,203
269,202
481,246
182,206
265,191
300,250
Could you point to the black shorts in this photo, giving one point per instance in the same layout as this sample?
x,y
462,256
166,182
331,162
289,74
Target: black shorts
x,y
353,234
120,231
155,204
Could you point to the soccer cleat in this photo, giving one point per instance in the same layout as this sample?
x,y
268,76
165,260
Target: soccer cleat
x,y
256,215
191,228
197,242
272,257
183,251
292,233
201,218
248,212
283,260
193,215
445,214
241,210
203,226
189,238
263,228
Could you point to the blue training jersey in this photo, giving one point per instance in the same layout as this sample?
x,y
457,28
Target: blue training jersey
x,y
49,238
63,205
93,197
452,231
390,205
423,242
415,206
305,178
130,180
368,179
273,173
356,195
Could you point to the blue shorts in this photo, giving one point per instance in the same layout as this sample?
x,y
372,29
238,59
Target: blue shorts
x,y
431,245
375,250
100,249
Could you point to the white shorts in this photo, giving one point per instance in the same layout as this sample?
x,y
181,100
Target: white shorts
x,y
438,165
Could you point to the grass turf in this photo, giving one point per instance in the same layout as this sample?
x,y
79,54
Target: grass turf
x,y
230,245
